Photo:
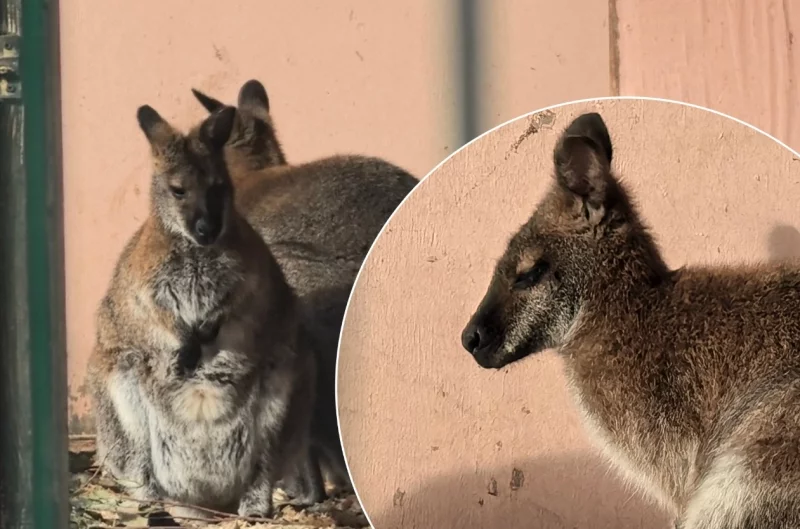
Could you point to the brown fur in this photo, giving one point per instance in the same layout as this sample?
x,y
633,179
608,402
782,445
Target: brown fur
x,y
201,379
689,379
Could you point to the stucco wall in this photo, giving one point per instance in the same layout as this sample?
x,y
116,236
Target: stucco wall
x,y
735,57
433,440
349,76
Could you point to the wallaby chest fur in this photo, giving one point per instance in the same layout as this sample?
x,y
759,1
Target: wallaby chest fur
x,y
194,282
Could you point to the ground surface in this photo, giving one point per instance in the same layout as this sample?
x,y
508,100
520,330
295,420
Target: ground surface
x,y
98,502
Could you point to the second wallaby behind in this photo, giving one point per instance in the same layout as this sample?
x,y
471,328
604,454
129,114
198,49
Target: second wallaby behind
x,y
320,218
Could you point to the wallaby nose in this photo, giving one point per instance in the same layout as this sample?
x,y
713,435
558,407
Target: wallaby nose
x,y
202,227
205,230
475,337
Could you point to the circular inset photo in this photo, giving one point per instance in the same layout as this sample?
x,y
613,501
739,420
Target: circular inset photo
x,y
588,317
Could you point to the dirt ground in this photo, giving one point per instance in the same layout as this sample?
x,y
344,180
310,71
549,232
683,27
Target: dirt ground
x,y
97,501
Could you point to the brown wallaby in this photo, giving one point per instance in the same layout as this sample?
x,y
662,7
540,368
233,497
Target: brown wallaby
x,y
201,380
689,379
320,219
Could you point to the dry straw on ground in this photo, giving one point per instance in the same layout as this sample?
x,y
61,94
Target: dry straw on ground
x,y
98,502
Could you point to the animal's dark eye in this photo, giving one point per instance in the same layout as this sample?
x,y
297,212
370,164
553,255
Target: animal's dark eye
x,y
530,277
177,192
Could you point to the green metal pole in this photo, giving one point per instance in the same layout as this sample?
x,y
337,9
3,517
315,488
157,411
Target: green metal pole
x,y
39,67
15,440
33,462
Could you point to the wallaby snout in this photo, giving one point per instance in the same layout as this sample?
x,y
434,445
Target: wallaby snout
x,y
206,230
209,220
483,335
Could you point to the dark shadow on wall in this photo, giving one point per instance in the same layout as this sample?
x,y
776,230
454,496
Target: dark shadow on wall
x,y
562,492
783,243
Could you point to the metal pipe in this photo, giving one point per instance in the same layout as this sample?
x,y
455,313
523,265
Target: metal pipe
x,y
33,396
468,48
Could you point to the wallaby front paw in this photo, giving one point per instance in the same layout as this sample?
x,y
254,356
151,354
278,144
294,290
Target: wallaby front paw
x,y
188,358
208,331
307,499
302,494
147,492
256,505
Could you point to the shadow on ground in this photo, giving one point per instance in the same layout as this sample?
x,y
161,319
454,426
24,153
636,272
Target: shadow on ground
x,y
562,492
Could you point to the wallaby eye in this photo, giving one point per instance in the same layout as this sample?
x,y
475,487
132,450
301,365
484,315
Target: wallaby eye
x,y
530,277
177,192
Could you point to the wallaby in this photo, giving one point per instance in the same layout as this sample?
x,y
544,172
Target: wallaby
x,y
201,379
689,379
320,219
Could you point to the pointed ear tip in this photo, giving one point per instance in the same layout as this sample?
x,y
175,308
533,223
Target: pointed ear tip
x,y
253,90
147,116
254,83
587,122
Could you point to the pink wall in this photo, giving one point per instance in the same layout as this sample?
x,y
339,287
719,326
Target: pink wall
x,y
351,76
736,57
428,434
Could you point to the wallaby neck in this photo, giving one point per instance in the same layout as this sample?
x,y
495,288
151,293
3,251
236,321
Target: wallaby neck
x,y
628,282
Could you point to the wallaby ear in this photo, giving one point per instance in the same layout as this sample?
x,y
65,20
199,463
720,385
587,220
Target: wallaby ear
x,y
216,129
158,132
209,103
592,126
253,96
583,164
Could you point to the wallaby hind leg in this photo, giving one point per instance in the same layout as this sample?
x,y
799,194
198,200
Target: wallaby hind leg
x,y
304,485
332,460
122,443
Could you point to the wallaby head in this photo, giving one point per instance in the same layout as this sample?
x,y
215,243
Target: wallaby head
x,y
584,233
253,143
191,191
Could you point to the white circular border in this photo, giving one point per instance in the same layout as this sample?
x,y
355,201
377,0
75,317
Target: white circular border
x,y
436,168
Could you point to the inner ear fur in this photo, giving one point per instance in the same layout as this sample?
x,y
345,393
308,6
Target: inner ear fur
x,y
582,159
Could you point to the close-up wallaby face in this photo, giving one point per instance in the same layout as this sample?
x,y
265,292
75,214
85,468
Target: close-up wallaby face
x,y
534,297
253,143
191,191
